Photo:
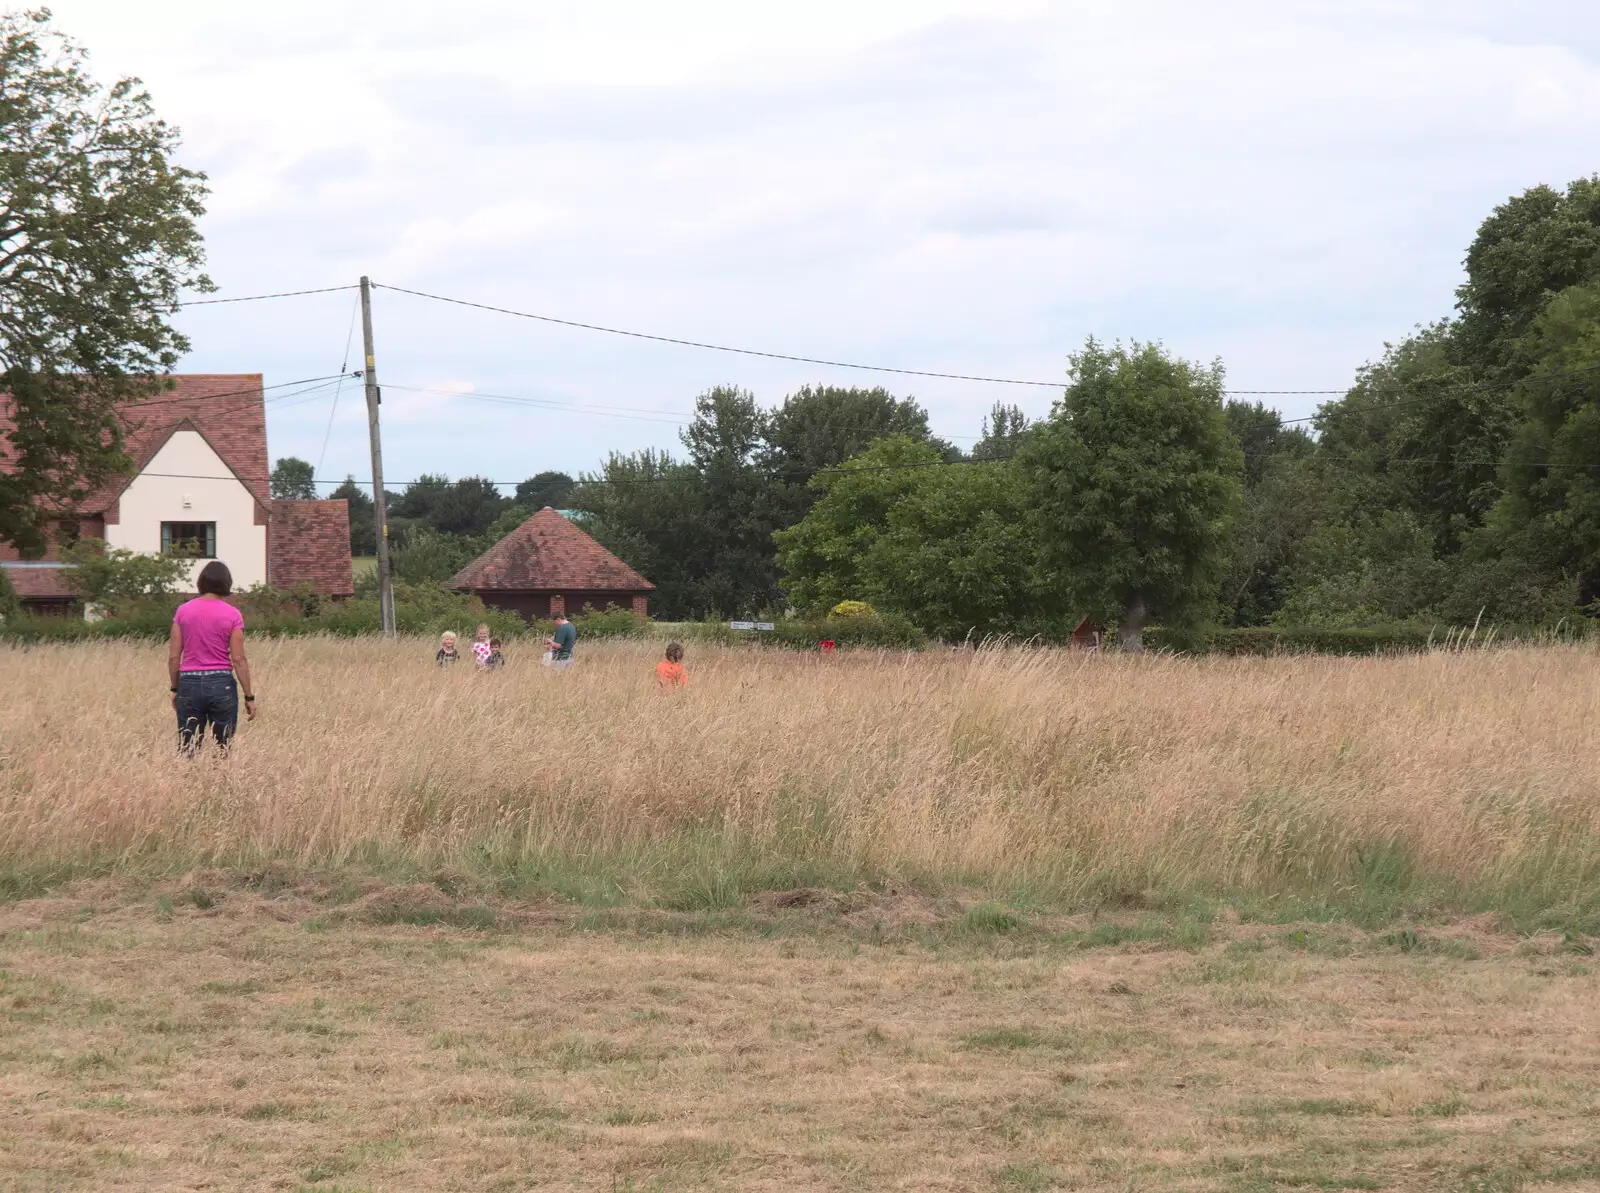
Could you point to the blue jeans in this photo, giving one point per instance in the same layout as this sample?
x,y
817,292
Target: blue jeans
x,y
206,698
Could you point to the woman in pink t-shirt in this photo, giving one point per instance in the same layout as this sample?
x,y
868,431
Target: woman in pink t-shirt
x,y
204,653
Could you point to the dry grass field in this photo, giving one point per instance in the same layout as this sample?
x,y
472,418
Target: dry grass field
x,y
1467,781
1012,920
148,1042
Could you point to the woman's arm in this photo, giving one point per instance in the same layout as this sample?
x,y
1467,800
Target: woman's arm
x,y
174,659
241,668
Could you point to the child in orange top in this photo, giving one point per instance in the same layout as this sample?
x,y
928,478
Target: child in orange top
x,y
669,672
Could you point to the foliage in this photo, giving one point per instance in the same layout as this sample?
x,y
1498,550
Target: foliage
x,y
553,489
645,507
1132,484
851,609
1550,507
97,241
116,578
293,479
427,556
1003,430
820,556
10,606
468,506
363,529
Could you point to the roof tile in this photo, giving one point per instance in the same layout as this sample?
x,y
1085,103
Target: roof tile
x,y
308,542
547,553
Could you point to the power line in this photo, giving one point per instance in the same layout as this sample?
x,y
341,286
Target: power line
x,y
1448,393
206,302
231,393
344,366
640,335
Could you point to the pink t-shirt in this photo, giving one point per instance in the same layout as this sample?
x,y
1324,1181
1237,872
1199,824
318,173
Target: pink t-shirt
x,y
207,624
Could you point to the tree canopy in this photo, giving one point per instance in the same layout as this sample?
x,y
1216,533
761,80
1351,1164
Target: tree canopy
x,y
98,239
293,479
1133,485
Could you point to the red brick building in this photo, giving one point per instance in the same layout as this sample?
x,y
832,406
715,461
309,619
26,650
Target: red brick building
x,y
548,566
199,486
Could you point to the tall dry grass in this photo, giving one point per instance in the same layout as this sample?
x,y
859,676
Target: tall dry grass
x,y
1468,777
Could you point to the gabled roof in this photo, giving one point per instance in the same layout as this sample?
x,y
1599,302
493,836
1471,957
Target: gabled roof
x,y
308,542
547,553
228,410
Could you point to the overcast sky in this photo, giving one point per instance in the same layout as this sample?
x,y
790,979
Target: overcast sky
x,y
969,186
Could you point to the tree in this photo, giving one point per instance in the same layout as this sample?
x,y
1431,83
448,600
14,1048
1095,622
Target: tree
x,y
1549,514
732,552
293,479
647,509
823,426
1003,429
1133,484
820,556
468,506
363,528
98,238
1533,246
553,489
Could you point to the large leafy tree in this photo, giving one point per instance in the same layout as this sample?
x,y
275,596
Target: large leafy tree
x,y
97,240
820,556
647,508
733,553
1133,485
552,489
293,479
1549,515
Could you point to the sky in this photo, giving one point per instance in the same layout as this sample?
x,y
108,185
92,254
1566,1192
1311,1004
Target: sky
x,y
960,186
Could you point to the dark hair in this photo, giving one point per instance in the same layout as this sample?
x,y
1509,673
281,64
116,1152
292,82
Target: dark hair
x,y
215,578
675,652
494,642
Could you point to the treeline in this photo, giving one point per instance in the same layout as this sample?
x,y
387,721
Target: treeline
x,y
1459,477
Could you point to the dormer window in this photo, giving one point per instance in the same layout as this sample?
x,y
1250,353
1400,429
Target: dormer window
x,y
189,540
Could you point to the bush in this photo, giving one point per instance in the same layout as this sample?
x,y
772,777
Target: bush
x,y
1271,640
850,610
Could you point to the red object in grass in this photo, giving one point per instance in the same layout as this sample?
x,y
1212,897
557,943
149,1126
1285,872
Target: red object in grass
x,y
826,646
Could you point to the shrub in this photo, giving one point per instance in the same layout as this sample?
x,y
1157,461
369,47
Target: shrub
x,y
851,610
114,578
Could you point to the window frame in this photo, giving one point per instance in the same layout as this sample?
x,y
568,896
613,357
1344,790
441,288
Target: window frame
x,y
207,543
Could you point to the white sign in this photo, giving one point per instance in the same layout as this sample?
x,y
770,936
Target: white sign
x,y
765,625
741,625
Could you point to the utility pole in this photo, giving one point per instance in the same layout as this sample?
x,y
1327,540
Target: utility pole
x,y
380,509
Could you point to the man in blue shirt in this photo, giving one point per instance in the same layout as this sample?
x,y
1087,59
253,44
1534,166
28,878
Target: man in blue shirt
x,y
562,642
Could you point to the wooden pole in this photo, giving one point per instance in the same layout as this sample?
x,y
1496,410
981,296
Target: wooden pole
x,y
380,507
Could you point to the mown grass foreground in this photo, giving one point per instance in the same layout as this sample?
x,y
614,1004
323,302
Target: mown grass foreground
x,y
208,1036
1287,787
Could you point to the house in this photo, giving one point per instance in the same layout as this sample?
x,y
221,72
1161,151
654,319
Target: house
x,y
548,566
1089,635
199,487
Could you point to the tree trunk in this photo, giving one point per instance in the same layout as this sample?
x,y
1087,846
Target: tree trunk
x,y
1131,632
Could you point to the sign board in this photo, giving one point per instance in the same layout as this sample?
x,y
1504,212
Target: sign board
x,y
766,626
741,625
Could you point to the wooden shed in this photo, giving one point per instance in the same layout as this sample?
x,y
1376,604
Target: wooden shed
x,y
548,566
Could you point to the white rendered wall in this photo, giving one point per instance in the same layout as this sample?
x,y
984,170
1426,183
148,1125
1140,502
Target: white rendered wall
x,y
153,499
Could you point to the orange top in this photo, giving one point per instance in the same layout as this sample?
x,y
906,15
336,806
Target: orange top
x,y
671,675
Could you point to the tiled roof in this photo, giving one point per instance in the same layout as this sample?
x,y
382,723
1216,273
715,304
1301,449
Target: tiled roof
x,y
547,553
309,542
227,409
38,582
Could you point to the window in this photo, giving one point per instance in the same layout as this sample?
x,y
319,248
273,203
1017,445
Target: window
x,y
191,540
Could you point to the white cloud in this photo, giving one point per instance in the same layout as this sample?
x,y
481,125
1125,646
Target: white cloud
x,y
956,185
